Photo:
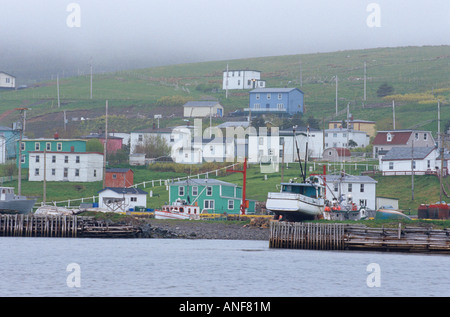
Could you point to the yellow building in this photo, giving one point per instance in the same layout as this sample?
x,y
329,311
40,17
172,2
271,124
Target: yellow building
x,y
359,125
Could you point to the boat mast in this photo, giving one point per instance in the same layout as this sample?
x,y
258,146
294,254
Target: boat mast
x,y
298,155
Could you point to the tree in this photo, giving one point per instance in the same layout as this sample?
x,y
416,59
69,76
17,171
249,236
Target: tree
x,y
385,90
153,147
94,145
352,143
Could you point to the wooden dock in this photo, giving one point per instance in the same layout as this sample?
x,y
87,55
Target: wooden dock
x,y
30,225
339,236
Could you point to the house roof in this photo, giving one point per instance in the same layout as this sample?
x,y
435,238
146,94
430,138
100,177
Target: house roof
x,y
274,90
2,72
123,190
118,170
404,153
202,181
205,103
233,124
350,179
397,138
352,121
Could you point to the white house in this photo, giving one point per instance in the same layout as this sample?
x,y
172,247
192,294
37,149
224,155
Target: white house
x,y
7,81
402,160
2,149
387,140
341,137
360,189
172,136
242,79
122,199
283,145
202,109
65,166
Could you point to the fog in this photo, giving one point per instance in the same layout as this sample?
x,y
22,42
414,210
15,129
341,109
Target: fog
x,y
41,38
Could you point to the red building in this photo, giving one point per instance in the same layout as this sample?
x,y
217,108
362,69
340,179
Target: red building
x,y
114,143
119,177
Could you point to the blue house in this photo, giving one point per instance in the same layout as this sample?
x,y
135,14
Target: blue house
x,y
283,101
11,136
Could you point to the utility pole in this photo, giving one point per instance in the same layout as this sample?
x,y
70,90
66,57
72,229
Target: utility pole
x,y
57,89
19,181
336,95
44,199
393,114
412,169
91,81
365,80
105,145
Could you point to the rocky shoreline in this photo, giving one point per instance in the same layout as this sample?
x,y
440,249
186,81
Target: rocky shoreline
x,y
183,229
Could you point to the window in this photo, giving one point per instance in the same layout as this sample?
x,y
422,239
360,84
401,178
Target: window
x,y
37,158
280,106
133,199
414,165
37,146
140,138
209,191
48,146
336,187
257,96
269,96
349,188
114,176
428,164
257,106
230,204
77,172
282,141
77,159
22,146
53,158
53,172
239,82
59,146
416,136
172,138
334,135
180,190
391,165
280,96
22,159
95,173
389,137
270,152
208,204
261,141
361,189
425,136
36,172
66,159
66,172
194,190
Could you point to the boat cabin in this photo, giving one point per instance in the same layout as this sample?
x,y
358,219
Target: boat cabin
x,y
308,190
6,193
180,206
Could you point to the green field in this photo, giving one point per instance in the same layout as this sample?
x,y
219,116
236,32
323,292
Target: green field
x,y
407,69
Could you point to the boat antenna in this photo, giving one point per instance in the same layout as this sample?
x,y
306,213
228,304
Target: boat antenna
x,y
298,155
306,152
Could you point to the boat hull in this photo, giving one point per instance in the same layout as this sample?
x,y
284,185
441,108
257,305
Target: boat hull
x,y
159,214
17,206
384,214
294,207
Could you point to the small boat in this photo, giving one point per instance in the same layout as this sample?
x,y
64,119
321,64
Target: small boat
x,y
345,210
388,212
14,204
178,210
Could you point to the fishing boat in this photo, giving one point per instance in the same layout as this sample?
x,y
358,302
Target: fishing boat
x,y
297,201
14,204
388,212
345,210
178,210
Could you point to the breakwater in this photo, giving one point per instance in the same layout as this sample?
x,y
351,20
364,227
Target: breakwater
x,y
30,225
338,236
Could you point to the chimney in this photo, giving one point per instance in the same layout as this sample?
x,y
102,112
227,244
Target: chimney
x,y
56,136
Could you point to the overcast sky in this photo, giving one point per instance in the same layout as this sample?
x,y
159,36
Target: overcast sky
x,y
155,32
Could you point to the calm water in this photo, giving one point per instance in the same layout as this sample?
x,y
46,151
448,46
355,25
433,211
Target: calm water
x,y
153,267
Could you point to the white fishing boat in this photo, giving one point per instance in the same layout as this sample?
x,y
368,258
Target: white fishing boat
x,y
178,210
12,203
297,201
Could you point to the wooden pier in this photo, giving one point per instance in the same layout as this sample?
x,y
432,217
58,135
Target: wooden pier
x,y
339,236
30,225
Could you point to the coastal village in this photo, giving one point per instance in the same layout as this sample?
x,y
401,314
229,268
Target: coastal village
x,y
337,159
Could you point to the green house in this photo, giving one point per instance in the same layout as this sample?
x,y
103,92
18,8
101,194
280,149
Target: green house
x,y
211,195
50,145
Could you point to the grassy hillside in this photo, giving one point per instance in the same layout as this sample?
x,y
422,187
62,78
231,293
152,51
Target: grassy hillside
x,y
136,92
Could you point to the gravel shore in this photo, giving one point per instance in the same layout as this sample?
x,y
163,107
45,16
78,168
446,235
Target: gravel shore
x,y
184,229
